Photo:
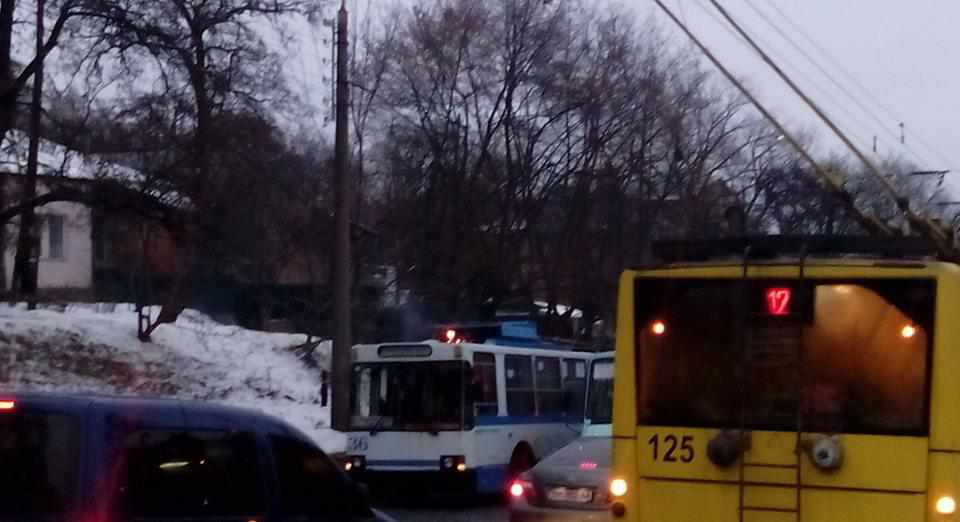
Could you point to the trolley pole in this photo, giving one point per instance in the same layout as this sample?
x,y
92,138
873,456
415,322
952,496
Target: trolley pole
x,y
341,258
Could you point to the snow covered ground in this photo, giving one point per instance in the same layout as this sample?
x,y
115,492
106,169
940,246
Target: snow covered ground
x,y
94,349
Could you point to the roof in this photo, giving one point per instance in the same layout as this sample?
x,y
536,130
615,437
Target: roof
x,y
756,248
56,160
204,414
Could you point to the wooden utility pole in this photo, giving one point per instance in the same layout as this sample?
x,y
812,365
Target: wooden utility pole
x,y
24,266
341,258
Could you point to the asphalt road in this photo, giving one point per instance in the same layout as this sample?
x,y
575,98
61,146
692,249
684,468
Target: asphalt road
x,y
472,514
489,510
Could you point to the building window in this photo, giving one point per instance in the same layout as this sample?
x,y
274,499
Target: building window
x,y
55,236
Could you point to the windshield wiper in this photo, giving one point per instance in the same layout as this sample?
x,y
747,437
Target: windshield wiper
x,y
376,425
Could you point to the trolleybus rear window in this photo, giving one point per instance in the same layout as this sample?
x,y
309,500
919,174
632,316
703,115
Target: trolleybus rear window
x,y
851,356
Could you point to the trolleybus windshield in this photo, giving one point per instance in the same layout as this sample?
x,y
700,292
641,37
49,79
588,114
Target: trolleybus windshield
x,y
851,356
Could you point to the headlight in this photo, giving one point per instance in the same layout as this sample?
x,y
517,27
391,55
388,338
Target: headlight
x,y
355,463
453,463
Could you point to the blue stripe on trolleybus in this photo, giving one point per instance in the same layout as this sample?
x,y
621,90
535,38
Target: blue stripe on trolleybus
x,y
525,419
491,479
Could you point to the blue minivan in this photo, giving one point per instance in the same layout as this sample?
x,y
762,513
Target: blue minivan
x,y
80,458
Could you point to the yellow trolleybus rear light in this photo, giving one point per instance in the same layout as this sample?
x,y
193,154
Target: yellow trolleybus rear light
x,y
618,487
908,331
946,505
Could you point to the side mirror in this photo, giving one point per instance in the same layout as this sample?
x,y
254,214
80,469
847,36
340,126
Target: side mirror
x,y
363,491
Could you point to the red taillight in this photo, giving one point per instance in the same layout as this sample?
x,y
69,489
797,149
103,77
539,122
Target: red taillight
x,y
521,488
658,328
7,405
588,465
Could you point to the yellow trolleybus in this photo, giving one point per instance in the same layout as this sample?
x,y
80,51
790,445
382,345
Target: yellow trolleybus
x,y
788,380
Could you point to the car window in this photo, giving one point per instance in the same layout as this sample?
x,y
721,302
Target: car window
x,y
39,463
173,474
308,483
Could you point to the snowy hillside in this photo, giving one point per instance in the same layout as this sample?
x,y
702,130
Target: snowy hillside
x,y
94,349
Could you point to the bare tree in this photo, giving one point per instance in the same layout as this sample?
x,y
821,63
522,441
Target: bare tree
x,y
210,62
12,81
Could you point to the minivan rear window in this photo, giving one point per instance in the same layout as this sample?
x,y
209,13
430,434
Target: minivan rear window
x,y
39,463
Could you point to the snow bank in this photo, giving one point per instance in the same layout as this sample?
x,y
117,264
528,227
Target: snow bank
x,y
94,348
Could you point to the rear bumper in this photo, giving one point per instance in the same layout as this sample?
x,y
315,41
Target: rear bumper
x,y
527,513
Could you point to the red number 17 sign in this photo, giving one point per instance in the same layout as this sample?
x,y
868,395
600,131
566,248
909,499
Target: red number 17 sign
x,y
778,301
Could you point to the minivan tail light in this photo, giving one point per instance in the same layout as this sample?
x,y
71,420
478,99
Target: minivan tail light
x,y
7,405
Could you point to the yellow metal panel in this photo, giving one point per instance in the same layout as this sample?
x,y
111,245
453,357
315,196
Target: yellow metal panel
x,y
874,462
760,516
625,467
813,269
770,497
625,375
766,448
944,414
852,506
664,501
785,476
944,478
772,448
699,467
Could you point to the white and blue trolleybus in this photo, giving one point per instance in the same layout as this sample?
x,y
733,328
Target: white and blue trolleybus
x,y
457,415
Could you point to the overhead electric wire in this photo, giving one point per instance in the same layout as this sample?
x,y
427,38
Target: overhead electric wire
x,y
843,108
895,138
869,223
829,76
856,82
934,231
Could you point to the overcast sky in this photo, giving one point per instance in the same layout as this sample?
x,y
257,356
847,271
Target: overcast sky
x,y
905,55
896,57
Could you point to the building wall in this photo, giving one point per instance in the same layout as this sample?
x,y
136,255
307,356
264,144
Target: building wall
x,y
73,267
